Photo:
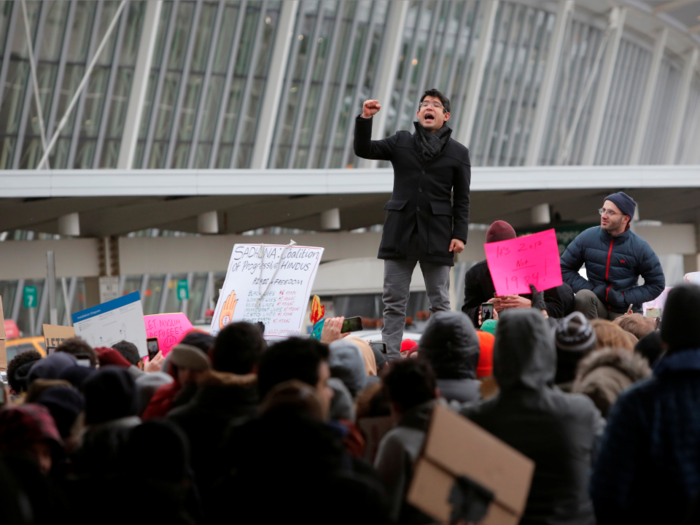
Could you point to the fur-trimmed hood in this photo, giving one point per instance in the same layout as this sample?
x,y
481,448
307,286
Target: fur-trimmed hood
x,y
606,373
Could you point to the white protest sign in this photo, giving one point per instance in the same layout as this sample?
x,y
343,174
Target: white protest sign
x,y
118,320
270,285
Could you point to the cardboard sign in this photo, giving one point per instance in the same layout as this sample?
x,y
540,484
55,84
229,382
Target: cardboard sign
x,y
448,452
280,276
374,429
168,328
3,337
54,335
515,264
117,320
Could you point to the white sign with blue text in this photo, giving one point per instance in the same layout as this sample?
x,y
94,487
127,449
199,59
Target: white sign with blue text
x,y
117,320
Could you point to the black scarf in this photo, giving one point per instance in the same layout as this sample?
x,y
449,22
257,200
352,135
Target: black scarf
x,y
430,144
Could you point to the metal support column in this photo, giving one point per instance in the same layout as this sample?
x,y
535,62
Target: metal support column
x,y
681,103
273,90
544,97
600,100
139,86
477,76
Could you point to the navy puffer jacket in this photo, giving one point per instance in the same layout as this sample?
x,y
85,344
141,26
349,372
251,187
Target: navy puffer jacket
x,y
613,266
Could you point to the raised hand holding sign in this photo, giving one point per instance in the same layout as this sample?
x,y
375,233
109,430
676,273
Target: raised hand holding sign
x,y
515,264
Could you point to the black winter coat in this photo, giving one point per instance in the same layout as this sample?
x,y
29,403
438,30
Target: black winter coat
x,y
557,431
422,194
613,267
478,288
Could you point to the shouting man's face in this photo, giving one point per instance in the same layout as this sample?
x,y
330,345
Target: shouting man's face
x,y
431,114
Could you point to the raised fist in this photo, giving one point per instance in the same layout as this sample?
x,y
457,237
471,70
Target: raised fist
x,y
370,108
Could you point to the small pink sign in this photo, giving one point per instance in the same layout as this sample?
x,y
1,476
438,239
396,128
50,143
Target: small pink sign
x,y
515,264
168,328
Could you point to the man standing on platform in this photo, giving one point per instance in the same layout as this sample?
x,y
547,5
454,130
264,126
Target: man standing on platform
x,y
428,215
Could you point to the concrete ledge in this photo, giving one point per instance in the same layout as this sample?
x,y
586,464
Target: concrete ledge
x,y
106,183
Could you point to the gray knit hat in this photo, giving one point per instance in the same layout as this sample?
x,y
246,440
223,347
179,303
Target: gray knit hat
x,y
188,356
575,334
345,362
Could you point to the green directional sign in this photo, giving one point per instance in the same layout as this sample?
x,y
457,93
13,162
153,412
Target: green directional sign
x,y
183,290
30,300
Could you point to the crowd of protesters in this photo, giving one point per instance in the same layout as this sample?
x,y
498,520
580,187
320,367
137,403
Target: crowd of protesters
x,y
231,430
228,429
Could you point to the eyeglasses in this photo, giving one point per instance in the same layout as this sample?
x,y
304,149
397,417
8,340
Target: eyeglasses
x,y
426,104
609,213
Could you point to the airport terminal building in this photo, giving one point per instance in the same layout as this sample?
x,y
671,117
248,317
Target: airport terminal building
x,y
141,139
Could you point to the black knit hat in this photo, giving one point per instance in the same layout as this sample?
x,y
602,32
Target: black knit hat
x,y
110,393
574,339
65,405
680,328
624,202
575,334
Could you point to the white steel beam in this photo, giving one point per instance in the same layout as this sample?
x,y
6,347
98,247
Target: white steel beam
x,y
681,103
556,44
139,86
158,182
271,100
388,66
471,99
600,101
649,91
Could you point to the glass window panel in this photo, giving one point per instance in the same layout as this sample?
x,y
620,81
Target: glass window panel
x,y
130,42
166,107
189,107
110,153
223,48
15,87
178,50
59,153
201,160
94,101
108,12
5,15
211,108
181,154
202,43
158,151
7,146
85,153
147,104
54,28
80,34
162,32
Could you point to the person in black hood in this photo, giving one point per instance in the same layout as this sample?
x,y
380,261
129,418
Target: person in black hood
x,y
556,430
451,346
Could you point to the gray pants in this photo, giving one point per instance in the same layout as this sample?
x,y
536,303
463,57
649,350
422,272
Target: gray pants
x,y
591,307
397,281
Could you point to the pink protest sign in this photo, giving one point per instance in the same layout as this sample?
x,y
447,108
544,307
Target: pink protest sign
x,y
515,264
168,328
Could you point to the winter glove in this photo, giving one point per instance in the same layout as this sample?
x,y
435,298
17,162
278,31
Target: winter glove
x,y
537,299
110,356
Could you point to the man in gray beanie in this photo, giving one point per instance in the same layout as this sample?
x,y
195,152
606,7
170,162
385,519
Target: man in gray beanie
x,y
615,258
